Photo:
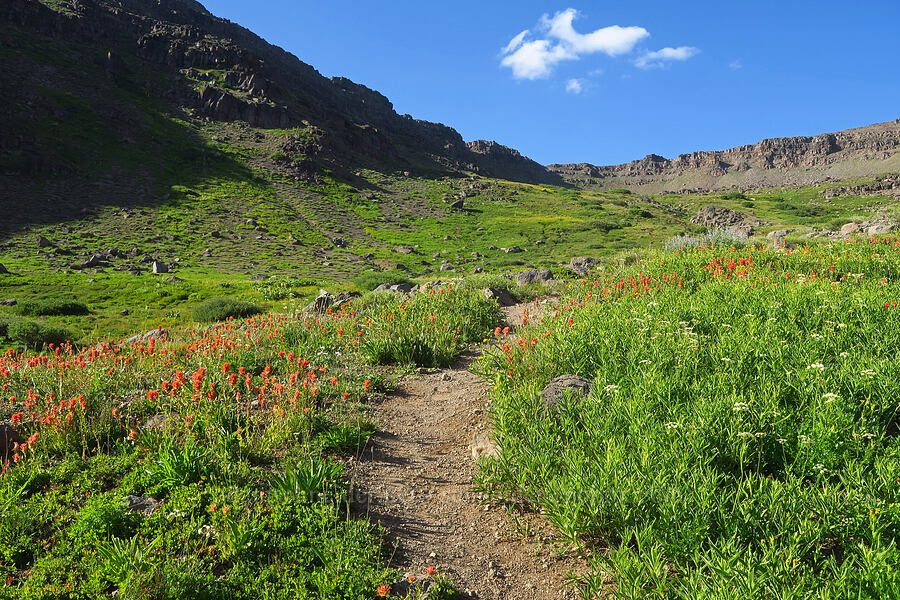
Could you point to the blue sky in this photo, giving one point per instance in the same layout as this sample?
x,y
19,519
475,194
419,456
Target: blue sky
x,y
604,82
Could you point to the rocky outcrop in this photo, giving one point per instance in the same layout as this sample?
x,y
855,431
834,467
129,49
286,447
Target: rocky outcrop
x,y
718,217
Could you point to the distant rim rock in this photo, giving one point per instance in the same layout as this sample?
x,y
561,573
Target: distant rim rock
x,y
862,151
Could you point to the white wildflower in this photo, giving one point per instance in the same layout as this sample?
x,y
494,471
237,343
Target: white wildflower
x,y
673,425
868,372
830,397
727,360
816,366
741,407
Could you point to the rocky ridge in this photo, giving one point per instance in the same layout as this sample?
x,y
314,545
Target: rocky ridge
x,y
778,161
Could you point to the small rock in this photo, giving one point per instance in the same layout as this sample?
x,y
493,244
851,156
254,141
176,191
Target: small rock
x,y
124,311
513,250
43,242
9,302
501,295
160,267
459,204
3,270
146,505
583,265
174,279
446,267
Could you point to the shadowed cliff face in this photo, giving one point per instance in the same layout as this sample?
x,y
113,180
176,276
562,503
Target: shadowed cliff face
x,y
190,60
779,161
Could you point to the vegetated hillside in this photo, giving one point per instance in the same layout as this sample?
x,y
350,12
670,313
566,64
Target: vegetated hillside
x,y
804,160
105,99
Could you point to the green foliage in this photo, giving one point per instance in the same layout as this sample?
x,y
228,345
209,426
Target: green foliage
x,y
741,429
733,196
222,309
51,307
35,335
369,280
315,480
283,288
179,464
431,329
623,191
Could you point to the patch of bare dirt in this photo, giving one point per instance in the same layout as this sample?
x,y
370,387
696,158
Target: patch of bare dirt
x,y
415,478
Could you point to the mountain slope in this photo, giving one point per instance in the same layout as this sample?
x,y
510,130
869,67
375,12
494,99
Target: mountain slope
x,y
93,82
801,160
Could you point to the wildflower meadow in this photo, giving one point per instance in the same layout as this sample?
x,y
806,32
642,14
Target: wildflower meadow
x,y
740,439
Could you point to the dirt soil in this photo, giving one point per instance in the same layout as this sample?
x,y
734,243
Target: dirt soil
x,y
415,478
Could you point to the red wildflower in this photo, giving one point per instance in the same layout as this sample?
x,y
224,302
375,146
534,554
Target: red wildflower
x,y
430,570
383,590
17,418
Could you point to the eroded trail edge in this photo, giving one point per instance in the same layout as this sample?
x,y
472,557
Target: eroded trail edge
x,y
416,477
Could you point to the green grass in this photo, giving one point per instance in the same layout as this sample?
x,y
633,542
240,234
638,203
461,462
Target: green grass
x,y
740,440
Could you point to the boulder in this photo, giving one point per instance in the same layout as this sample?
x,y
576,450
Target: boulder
x,y
160,267
174,279
3,270
326,300
557,389
719,217
459,204
153,334
446,267
512,250
583,265
95,261
850,228
395,288
43,242
339,242
880,228
9,302
530,276
501,295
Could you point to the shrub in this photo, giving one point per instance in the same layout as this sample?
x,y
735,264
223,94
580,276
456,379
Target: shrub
x,y
369,280
607,226
733,196
620,191
220,309
480,281
36,335
639,213
51,307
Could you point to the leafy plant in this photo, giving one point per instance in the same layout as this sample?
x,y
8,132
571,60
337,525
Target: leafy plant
x,y
221,309
314,480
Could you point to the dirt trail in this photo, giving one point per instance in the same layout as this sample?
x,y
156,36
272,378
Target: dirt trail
x,y
416,474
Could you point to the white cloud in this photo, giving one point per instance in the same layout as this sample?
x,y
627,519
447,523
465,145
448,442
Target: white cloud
x,y
735,65
660,58
574,86
515,42
534,59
